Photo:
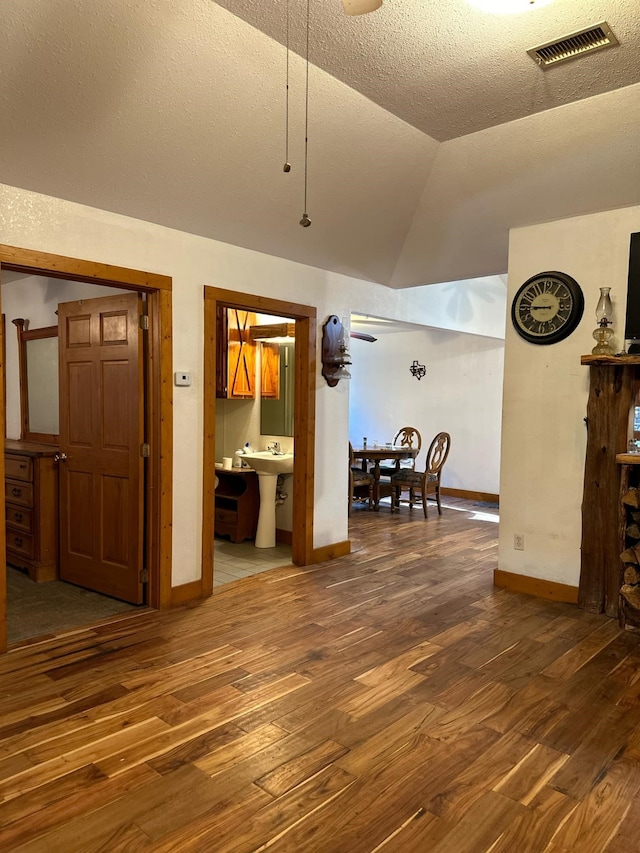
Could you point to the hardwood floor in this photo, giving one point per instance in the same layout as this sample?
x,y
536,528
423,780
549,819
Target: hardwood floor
x,y
392,700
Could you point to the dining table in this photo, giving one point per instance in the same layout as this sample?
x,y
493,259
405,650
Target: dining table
x,y
380,454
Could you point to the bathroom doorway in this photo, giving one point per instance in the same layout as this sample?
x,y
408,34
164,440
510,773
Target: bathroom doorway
x,y
304,318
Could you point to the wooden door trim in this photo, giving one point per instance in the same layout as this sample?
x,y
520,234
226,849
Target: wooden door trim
x,y
159,485
304,419
75,269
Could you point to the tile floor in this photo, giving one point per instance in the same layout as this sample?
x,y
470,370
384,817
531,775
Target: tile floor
x,y
233,562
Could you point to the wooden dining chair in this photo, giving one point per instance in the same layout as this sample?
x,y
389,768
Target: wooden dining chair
x,y
405,437
360,482
423,482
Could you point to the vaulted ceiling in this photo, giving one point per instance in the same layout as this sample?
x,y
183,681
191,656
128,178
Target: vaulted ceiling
x,y
431,131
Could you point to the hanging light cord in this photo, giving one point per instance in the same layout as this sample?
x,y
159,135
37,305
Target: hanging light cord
x,y
287,165
305,221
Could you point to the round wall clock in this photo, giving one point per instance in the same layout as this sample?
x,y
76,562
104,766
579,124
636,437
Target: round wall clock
x,y
547,307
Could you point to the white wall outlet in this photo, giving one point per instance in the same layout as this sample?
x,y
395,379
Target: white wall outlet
x,y
182,378
518,541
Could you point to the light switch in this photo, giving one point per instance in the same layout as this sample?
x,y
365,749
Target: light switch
x,y
182,378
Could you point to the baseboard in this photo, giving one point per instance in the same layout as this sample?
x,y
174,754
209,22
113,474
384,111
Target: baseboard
x,y
487,497
186,592
330,552
536,586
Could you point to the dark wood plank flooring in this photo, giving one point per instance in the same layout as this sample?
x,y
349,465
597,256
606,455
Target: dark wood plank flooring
x,y
392,700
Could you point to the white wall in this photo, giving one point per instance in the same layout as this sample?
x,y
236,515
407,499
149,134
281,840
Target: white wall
x,y
38,222
461,394
475,305
546,390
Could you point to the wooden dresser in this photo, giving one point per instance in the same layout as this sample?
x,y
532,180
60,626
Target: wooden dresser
x,y
31,508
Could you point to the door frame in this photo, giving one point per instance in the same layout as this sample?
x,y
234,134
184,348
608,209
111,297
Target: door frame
x,y
304,419
158,405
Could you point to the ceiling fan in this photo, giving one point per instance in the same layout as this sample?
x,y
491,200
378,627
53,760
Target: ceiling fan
x,y
360,7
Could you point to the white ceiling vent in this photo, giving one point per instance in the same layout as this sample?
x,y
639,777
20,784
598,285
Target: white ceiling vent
x,y
576,44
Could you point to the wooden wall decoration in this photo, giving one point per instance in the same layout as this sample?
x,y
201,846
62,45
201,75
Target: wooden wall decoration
x,y
335,356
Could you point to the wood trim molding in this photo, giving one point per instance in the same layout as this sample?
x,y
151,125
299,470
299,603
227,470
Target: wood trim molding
x,y
74,269
304,441
304,419
487,497
186,592
536,586
209,443
3,529
160,470
331,552
22,377
259,304
159,366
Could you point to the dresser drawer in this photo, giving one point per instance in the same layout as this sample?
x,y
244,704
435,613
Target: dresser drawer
x,y
22,519
20,543
18,493
226,516
18,467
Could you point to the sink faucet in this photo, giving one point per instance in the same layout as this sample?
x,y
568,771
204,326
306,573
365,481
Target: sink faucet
x,y
274,447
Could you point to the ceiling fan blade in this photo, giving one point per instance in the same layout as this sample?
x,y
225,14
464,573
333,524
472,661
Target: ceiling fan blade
x,y
363,336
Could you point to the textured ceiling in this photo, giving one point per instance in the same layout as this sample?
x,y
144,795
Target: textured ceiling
x,y
449,69
173,113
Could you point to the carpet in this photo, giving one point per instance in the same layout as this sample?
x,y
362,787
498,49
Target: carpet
x,y
39,609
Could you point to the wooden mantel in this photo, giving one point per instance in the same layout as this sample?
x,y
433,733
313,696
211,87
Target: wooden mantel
x,y
610,359
613,382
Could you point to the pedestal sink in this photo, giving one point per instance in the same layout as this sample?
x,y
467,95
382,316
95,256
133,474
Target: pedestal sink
x,y
268,465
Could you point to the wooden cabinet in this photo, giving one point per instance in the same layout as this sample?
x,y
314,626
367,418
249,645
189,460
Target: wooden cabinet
x,y
235,354
270,371
237,502
31,508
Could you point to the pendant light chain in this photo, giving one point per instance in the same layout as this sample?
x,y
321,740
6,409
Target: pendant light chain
x,y
287,165
305,221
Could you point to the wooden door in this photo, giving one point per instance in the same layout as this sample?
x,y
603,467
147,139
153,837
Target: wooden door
x,y
270,363
241,355
101,432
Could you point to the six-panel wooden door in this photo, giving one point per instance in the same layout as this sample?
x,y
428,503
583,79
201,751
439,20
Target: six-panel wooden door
x,y
101,433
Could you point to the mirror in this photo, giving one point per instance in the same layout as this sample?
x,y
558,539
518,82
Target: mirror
x,y
38,367
278,382
42,384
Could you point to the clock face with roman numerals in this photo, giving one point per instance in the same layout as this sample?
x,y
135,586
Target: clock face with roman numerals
x,y
547,307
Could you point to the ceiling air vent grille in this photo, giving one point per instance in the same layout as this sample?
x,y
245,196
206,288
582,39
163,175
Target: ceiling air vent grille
x,y
576,44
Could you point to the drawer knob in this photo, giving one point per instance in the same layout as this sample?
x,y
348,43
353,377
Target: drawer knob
x,y
17,516
17,541
23,465
16,492
60,457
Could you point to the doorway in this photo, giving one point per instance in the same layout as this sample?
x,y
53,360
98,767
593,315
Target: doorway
x,y
304,317
153,572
